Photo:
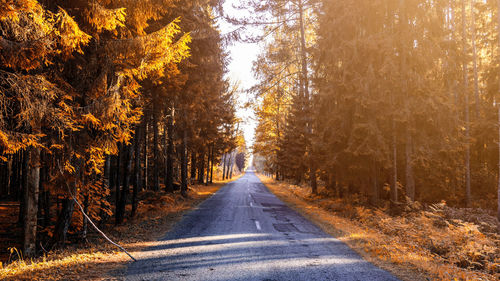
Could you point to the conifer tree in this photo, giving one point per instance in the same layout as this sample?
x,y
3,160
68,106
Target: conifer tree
x,y
289,24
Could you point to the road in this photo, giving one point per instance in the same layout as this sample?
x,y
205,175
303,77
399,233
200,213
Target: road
x,y
243,232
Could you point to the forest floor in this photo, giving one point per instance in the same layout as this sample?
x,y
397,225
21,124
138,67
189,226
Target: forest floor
x,y
424,242
97,259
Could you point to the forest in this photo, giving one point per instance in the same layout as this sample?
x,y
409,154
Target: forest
x,y
381,115
390,100
101,100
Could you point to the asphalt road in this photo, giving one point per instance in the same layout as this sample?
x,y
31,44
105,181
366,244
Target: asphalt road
x,y
243,232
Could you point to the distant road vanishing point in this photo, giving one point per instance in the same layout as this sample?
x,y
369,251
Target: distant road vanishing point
x,y
244,232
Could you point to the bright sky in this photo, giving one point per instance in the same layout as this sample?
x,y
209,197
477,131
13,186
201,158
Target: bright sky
x,y
240,71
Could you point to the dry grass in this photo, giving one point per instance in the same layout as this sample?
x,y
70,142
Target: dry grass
x,y
98,260
434,243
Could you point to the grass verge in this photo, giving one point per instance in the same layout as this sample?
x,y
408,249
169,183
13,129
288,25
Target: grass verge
x,y
421,244
97,259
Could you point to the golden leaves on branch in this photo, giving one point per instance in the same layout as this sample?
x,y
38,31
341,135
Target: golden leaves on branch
x,y
11,8
91,119
39,102
148,55
70,37
102,18
32,37
25,42
141,13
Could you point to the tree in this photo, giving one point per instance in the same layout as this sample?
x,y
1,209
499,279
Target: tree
x,y
386,100
30,100
240,161
498,193
71,94
290,25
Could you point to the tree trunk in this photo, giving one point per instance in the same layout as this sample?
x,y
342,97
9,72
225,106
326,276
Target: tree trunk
x,y
184,183
137,170
467,123
498,104
31,202
208,165
498,191
375,194
305,83
41,192
312,175
4,188
24,183
14,181
298,177
164,154
329,181
394,185
156,156
85,221
410,181
63,222
231,164
212,165
117,180
229,169
201,168
127,165
9,176
227,162
46,198
474,57
169,183
224,166
193,166
106,184
46,208
64,218
145,155
303,53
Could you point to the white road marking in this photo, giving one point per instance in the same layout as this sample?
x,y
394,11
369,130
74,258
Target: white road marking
x,y
257,224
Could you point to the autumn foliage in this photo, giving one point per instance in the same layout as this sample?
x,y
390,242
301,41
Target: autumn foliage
x,y
403,99
101,100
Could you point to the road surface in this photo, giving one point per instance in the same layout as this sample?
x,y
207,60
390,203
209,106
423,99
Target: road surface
x,y
243,232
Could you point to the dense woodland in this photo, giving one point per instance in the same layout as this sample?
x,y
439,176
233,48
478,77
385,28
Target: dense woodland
x,y
389,100
381,103
103,99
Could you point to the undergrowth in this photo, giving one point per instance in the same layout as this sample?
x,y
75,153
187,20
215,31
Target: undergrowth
x,y
97,259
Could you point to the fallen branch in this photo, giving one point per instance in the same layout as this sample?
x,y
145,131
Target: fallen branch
x,y
91,222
